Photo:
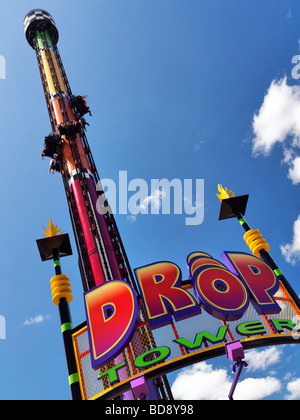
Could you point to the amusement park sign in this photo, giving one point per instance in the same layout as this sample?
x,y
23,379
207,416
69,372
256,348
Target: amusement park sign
x,y
225,292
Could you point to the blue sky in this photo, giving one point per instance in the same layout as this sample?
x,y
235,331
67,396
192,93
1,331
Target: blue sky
x,y
174,86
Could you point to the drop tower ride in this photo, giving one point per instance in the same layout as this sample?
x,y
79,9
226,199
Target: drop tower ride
x,y
101,252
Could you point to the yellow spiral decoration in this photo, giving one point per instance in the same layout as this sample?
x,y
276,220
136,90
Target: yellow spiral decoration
x,y
256,242
61,288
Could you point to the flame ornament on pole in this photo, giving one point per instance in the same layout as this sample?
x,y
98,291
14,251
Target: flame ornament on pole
x,y
231,206
224,193
52,230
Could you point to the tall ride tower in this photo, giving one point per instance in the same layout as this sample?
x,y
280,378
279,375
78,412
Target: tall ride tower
x,y
102,256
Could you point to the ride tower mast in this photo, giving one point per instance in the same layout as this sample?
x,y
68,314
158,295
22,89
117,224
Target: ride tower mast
x,y
101,252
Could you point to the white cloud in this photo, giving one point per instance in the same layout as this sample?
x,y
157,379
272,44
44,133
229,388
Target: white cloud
x,y
38,319
257,388
294,171
261,360
202,382
278,118
291,251
294,388
278,121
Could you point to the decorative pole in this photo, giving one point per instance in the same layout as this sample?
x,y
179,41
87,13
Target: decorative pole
x,y
235,352
235,207
54,246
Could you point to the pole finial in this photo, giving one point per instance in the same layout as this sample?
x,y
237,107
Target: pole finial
x,y
52,230
224,193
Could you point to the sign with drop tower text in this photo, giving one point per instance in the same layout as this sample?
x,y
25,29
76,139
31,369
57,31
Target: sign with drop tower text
x,y
189,321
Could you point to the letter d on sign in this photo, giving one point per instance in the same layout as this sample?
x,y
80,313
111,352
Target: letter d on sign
x,y
112,317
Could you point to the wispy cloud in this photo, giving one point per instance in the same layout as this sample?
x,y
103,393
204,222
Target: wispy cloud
x,y
131,218
155,199
198,145
289,14
38,319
